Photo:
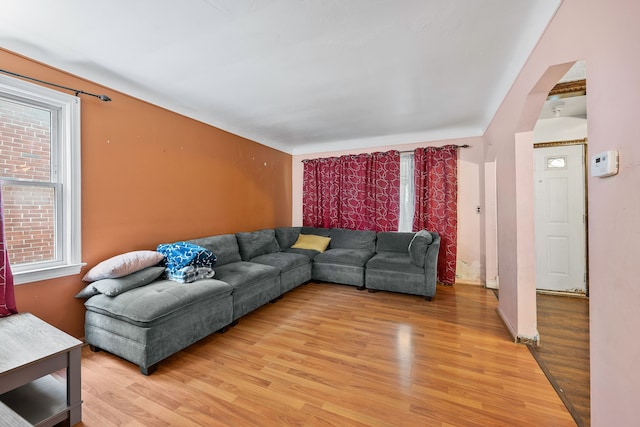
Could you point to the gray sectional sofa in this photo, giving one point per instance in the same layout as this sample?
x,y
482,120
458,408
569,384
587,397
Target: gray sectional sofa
x,y
149,323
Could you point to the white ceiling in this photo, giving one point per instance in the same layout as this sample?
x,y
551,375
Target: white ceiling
x,y
301,76
568,105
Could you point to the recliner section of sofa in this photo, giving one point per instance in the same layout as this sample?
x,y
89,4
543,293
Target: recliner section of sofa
x,y
149,323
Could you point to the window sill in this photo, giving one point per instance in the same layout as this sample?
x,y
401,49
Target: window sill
x,y
22,277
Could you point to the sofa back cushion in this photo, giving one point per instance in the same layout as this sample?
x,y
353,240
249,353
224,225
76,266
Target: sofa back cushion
x,y
352,239
256,243
224,246
315,230
287,236
391,241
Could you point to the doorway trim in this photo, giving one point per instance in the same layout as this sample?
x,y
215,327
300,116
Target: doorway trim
x,y
584,143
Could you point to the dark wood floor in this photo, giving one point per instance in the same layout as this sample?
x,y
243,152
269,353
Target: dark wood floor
x,y
330,355
563,353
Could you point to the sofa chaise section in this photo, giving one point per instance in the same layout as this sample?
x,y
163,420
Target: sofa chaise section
x,y
147,324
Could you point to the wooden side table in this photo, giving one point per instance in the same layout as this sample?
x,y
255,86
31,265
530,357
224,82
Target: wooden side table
x,y
30,350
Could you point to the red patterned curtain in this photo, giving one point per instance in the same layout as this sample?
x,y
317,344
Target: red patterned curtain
x,y
7,298
358,192
321,189
436,202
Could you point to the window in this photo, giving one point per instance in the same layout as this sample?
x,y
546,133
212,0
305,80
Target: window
x,y
556,162
40,180
407,192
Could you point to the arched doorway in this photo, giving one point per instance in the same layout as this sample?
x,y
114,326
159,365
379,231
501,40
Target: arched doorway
x,y
562,349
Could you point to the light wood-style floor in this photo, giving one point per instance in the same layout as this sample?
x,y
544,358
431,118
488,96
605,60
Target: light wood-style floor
x,y
330,355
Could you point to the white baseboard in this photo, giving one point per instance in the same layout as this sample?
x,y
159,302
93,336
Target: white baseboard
x,y
469,282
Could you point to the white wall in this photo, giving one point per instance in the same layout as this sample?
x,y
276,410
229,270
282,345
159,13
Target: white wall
x,y
560,129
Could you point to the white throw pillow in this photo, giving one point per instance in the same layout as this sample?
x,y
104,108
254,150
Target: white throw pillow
x,y
121,265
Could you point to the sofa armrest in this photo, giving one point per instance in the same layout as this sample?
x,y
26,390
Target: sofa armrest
x,y
431,264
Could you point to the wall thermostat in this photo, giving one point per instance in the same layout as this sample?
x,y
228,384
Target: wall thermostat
x,y
604,164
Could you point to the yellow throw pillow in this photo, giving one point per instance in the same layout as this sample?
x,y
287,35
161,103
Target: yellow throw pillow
x,y
313,242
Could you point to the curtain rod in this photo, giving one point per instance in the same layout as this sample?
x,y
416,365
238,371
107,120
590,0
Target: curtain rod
x,y
439,148
411,151
77,91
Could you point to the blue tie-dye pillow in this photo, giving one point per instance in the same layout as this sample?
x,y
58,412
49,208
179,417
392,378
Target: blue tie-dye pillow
x,y
182,254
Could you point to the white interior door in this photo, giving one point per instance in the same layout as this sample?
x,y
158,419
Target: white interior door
x,y
559,183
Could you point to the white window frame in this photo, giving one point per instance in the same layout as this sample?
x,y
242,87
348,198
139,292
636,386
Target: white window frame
x,y
66,160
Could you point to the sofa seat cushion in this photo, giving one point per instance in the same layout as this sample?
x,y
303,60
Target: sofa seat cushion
x,y
244,274
283,261
394,261
158,302
354,257
309,253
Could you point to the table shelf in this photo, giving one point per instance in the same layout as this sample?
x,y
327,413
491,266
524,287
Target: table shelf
x,y
9,418
42,402
31,351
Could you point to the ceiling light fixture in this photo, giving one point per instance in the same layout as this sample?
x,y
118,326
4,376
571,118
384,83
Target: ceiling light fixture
x,y
557,107
104,98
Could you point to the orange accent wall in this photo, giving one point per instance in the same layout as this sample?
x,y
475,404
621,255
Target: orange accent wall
x,y
151,176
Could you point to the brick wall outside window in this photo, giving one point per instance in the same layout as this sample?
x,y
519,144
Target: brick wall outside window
x,y
25,154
